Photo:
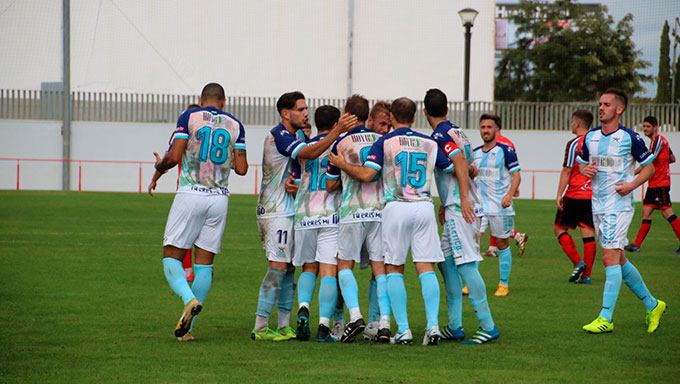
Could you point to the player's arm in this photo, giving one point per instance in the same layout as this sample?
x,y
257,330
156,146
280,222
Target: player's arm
x,y
562,186
646,173
359,172
172,157
240,161
462,174
671,157
343,125
514,185
156,175
332,185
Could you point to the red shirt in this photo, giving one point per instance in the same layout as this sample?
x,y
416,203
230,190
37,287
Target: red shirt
x,y
579,186
662,172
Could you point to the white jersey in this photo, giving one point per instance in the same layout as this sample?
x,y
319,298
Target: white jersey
x,y
495,168
280,146
614,155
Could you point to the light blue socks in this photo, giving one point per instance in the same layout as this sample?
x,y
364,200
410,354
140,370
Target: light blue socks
x,y
201,285
477,289
269,291
397,293
430,289
631,276
373,308
177,279
454,292
349,288
287,293
305,288
504,264
612,285
328,294
383,297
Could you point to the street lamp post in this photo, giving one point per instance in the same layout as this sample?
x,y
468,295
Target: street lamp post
x,y
467,16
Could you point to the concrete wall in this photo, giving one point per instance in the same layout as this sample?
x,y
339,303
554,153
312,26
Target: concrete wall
x,y
538,151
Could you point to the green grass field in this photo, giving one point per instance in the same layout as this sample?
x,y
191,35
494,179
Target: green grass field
x,y
84,299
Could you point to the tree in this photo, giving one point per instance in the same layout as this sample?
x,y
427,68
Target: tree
x,y
564,53
663,80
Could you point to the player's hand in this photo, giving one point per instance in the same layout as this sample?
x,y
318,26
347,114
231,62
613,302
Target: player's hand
x,y
560,203
467,210
346,122
516,193
590,170
440,214
623,188
472,171
290,186
337,160
152,186
506,201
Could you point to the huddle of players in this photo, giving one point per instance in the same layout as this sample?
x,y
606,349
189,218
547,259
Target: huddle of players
x,y
367,194
395,169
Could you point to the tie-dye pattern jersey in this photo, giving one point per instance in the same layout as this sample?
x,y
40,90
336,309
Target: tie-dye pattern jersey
x,y
494,177
361,202
407,160
280,146
212,135
452,140
315,207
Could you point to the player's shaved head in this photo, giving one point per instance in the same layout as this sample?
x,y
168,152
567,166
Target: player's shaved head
x,y
213,92
357,105
404,110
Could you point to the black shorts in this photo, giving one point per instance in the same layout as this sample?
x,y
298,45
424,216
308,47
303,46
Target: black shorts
x,y
576,212
659,198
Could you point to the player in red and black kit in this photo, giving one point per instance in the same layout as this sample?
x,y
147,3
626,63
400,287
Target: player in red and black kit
x,y
574,206
658,190
520,238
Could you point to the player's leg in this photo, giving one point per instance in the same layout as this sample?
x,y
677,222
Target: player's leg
x,y
452,282
187,265
338,316
426,252
352,236
589,252
565,220
644,228
396,223
304,251
328,295
374,248
276,234
612,256
673,221
502,227
492,250
185,220
285,302
487,328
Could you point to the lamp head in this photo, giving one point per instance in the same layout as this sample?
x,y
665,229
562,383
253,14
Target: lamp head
x,y
467,16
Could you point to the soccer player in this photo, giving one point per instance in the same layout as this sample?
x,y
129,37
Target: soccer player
x,y
276,208
206,141
574,208
316,233
406,160
459,242
360,223
498,179
520,238
659,187
608,156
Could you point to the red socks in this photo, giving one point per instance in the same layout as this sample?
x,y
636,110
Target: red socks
x,y
186,263
589,250
675,223
568,246
492,241
642,233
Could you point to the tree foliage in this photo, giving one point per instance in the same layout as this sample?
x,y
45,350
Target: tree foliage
x,y
552,61
663,80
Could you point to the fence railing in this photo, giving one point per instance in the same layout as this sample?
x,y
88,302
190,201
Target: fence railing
x,y
135,107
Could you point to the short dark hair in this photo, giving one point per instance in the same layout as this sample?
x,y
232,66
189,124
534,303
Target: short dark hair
x,y
436,103
403,109
651,120
357,105
288,100
193,106
620,95
213,91
496,119
585,116
381,107
325,116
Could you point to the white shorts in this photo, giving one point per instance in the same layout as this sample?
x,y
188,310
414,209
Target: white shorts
x,y
460,239
196,219
410,225
502,227
611,228
356,238
484,225
316,245
277,238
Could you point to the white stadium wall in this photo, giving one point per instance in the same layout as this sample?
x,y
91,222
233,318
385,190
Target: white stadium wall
x,y
252,48
118,157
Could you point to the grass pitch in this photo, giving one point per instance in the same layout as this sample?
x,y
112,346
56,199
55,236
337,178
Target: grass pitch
x,y
84,299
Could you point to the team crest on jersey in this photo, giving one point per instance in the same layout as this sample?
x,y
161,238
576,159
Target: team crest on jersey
x,y
438,135
616,140
371,157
